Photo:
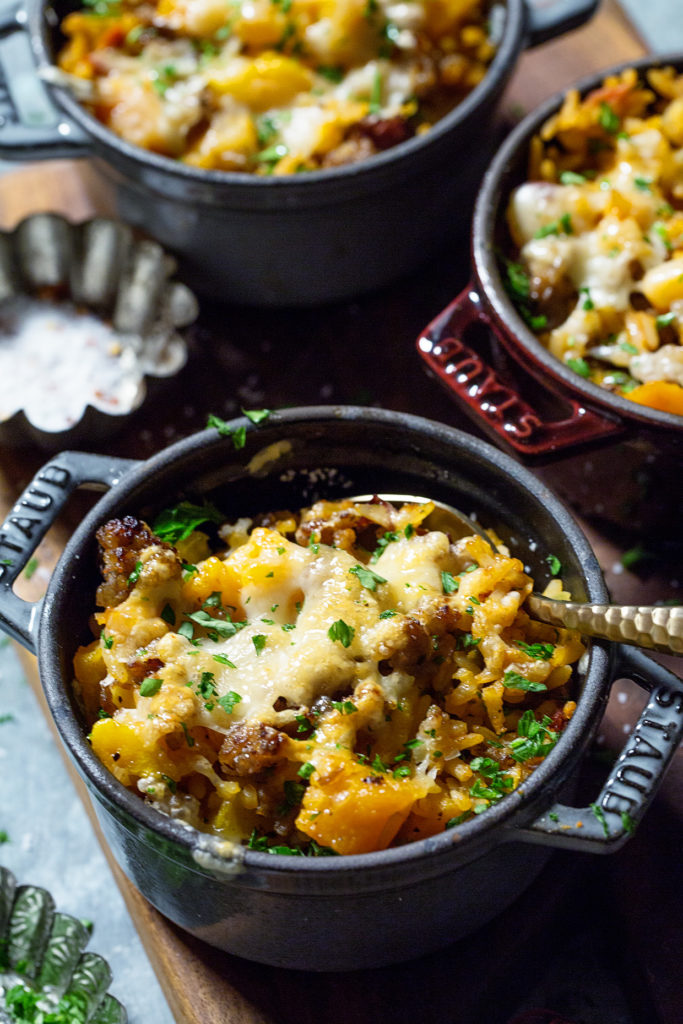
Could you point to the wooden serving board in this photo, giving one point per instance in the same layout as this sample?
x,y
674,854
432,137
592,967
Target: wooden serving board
x,y
464,984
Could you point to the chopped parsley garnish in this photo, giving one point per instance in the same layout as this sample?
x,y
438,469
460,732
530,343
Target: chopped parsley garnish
x,y
579,366
628,823
387,538
561,226
344,707
534,738
627,346
206,686
341,631
600,815
313,849
257,415
186,629
176,524
458,820
665,319
164,77
188,739
238,434
303,724
515,681
31,567
168,615
366,577
376,93
294,792
588,303
215,627
306,770
466,641
663,233
148,687
634,556
643,184
107,641
449,584
389,613
171,783
135,575
518,287
222,659
273,154
554,565
259,641
331,73
103,8
572,178
229,700
539,650
608,119
497,782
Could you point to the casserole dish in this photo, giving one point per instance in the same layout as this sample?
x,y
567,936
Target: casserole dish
x,y
420,896
526,399
289,240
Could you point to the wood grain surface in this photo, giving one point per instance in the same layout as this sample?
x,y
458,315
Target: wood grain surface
x,y
204,986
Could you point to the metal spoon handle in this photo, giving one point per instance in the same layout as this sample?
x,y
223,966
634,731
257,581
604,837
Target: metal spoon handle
x,y
657,628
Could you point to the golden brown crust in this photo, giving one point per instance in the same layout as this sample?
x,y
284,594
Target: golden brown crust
x,y
121,541
249,747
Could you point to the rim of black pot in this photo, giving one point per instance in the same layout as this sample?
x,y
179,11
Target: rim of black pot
x,y
576,734
496,75
506,170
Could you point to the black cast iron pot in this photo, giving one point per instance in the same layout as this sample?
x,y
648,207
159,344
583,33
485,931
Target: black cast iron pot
x,y
417,897
292,240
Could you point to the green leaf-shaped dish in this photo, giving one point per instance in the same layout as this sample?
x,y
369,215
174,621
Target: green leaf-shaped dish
x,y
46,977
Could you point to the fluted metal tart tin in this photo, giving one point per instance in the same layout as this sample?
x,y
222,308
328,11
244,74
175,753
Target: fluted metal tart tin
x,y
96,275
339,913
44,951
283,240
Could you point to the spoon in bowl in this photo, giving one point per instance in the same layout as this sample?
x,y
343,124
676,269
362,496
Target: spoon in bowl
x,y
654,627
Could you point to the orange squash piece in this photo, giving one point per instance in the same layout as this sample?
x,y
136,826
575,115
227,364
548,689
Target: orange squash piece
x,y
352,809
659,394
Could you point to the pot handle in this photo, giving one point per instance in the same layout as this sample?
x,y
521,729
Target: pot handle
x,y
28,521
549,18
493,404
31,126
606,824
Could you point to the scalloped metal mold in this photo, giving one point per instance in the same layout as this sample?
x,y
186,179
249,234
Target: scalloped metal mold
x,y
99,267
44,951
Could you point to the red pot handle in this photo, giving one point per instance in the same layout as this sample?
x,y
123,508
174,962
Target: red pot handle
x,y
494,404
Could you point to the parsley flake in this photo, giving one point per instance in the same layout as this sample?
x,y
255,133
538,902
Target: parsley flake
x,y
229,700
148,687
366,577
515,681
340,631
